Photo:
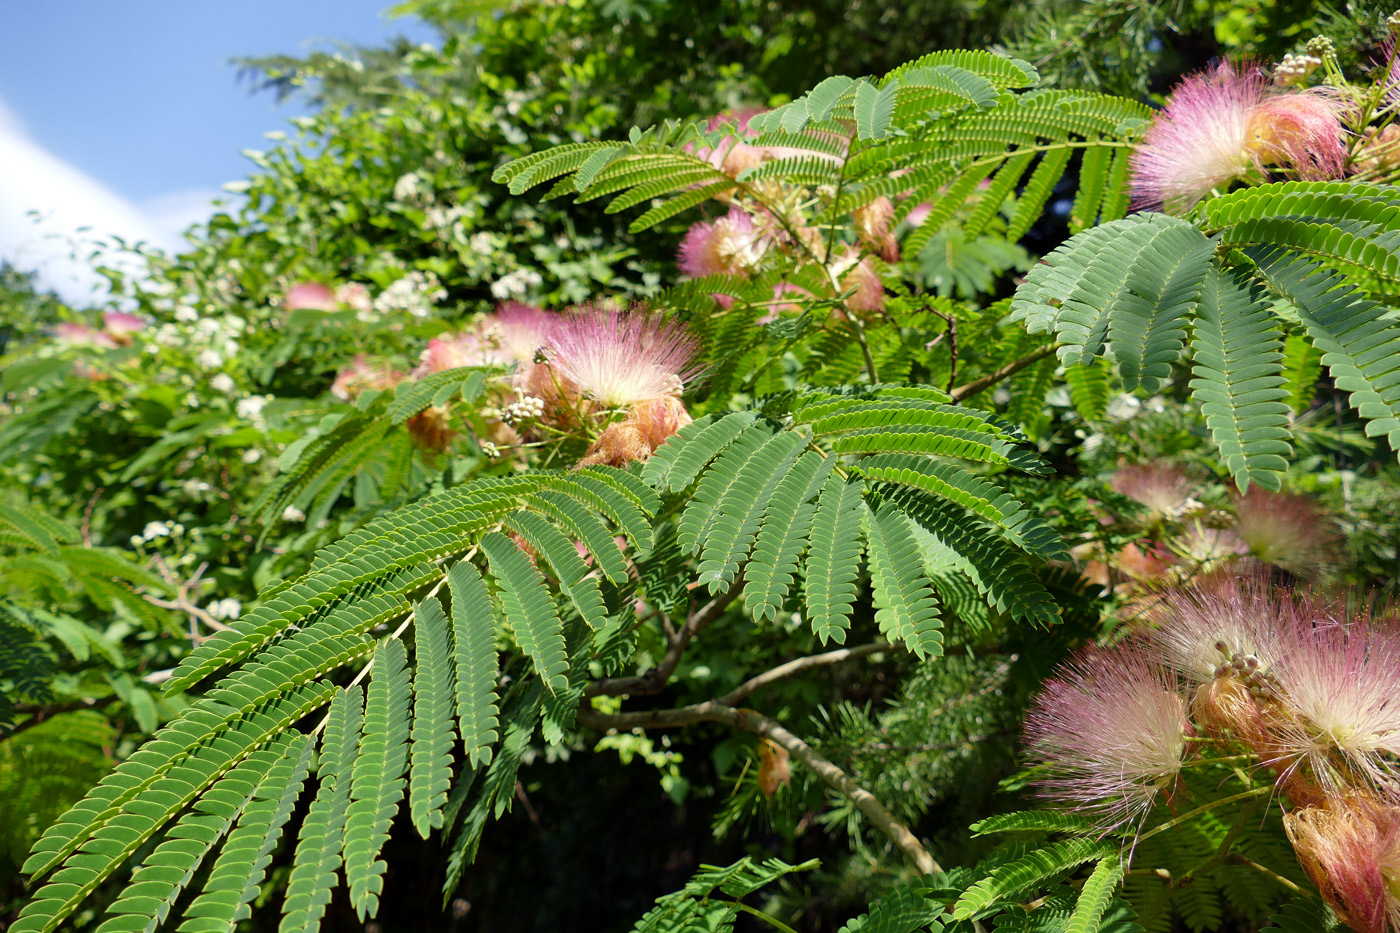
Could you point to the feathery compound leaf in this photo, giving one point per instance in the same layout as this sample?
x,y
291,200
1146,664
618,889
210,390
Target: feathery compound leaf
x,y
702,509
320,840
430,762
873,109
769,574
474,627
735,521
167,871
1095,896
233,883
1147,326
378,780
1302,914
1302,367
529,609
833,559
1237,380
1360,343
575,579
1017,877
678,461
1038,821
903,910
105,831
905,607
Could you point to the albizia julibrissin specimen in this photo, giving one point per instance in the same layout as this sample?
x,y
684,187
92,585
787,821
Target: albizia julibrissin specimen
x,y
601,360
1306,685
1226,124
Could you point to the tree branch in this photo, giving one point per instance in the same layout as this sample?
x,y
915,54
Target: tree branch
x,y
654,680
749,721
798,666
1010,369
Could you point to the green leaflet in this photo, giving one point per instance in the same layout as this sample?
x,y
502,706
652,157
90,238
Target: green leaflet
x,y
1095,896
167,871
723,474
1360,344
529,609
434,683
233,883
571,573
772,567
905,607
378,778
168,772
729,531
474,626
833,560
1237,381
320,840
1009,880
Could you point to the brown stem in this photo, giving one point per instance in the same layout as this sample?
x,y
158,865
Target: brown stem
x,y
182,601
1010,369
654,680
44,713
798,666
749,721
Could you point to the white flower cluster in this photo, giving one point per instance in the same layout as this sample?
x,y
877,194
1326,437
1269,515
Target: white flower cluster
x,y
293,514
186,314
222,383
415,293
490,450
227,609
443,219
251,408
409,189
1294,69
529,407
515,284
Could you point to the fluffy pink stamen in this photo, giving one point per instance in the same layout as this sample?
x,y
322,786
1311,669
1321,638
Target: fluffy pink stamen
x,y
621,358
1111,729
310,295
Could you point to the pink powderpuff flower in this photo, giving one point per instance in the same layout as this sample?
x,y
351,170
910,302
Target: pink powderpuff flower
x,y
866,291
1203,549
872,224
1223,125
620,358
81,335
312,296
1286,530
120,325
1111,729
730,245
735,154
1163,487
1350,847
453,351
361,376
1337,689
517,329
781,307
1221,625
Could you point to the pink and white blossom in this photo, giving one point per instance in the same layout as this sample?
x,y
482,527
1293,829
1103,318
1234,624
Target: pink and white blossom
x,y
1286,530
730,245
1110,728
621,358
311,296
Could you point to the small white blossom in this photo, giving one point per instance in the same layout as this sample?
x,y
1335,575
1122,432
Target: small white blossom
x,y
186,314
293,514
210,359
515,284
250,408
415,293
480,242
222,383
252,455
228,609
136,540
154,530
194,487
409,189
1123,408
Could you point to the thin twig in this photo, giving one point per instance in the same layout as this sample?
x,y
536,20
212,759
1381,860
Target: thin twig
x,y
798,666
654,680
747,720
1010,369
182,601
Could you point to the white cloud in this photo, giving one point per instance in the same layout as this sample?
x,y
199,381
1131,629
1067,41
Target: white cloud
x,y
74,213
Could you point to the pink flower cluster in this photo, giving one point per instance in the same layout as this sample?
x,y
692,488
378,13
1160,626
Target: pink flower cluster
x,y
1307,685
1225,125
116,330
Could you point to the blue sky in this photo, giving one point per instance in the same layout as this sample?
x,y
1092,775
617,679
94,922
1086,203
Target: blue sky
x,y
126,116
